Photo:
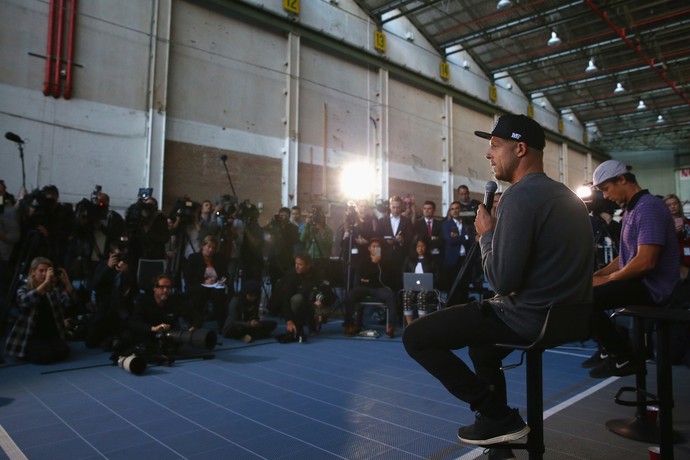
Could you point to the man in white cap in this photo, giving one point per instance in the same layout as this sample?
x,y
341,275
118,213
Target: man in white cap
x,y
536,252
644,273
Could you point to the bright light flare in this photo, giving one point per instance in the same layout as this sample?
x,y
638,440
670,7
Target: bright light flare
x,y
357,181
584,191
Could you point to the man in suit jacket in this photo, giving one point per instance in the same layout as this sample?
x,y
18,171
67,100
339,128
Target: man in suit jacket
x,y
431,227
458,238
396,231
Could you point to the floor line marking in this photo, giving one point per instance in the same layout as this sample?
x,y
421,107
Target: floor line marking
x,y
9,446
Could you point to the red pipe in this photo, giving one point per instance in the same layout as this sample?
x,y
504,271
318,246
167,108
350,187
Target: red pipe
x,y
58,50
49,49
638,50
70,49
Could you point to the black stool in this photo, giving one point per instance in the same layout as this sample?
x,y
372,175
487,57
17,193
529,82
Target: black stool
x,y
563,324
640,428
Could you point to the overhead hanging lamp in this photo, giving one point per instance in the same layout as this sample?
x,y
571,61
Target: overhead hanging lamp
x,y
641,105
554,40
504,4
591,67
619,89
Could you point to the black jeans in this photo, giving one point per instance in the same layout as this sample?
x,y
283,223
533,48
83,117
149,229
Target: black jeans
x,y
611,295
431,340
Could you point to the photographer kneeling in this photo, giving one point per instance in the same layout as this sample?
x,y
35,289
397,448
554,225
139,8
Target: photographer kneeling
x,y
38,335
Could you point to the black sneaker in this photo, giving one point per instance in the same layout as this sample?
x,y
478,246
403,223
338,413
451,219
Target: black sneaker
x,y
612,367
500,453
486,431
594,360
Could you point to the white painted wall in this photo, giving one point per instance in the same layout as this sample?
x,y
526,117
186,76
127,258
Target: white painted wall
x,y
221,82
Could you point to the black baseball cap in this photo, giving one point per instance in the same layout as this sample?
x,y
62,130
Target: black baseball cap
x,y
519,128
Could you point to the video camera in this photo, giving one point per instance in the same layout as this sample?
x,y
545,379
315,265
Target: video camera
x,y
318,216
185,210
141,212
351,214
596,203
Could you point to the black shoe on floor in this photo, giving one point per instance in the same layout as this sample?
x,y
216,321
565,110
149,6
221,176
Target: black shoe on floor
x,y
500,453
612,367
486,431
594,360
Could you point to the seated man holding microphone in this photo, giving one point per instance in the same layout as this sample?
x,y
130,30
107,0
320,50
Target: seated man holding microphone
x,y
536,252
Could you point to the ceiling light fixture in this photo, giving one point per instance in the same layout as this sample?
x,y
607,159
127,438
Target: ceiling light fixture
x,y
504,4
641,105
554,40
465,64
619,89
660,119
591,67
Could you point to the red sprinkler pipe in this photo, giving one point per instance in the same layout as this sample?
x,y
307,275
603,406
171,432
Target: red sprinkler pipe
x,y
637,49
58,50
49,49
70,49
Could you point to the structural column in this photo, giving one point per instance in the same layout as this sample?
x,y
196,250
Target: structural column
x,y
157,94
381,159
448,184
291,148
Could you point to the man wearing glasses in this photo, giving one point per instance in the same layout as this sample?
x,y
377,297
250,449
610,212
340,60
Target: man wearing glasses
x,y
156,312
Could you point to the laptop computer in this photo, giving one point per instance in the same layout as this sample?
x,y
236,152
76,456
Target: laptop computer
x,y
418,281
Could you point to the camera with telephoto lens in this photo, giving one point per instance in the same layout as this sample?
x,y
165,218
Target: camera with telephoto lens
x,y
134,364
198,338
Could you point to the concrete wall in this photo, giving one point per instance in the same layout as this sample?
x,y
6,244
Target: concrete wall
x,y
164,88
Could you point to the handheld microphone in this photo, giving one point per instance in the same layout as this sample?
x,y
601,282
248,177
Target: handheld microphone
x,y
13,137
223,158
490,189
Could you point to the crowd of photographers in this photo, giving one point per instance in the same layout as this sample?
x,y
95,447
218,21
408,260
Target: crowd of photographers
x,y
72,272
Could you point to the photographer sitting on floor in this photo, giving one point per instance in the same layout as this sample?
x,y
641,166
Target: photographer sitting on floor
x,y
243,320
155,313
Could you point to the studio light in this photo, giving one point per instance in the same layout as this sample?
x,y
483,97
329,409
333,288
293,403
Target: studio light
x,y
554,40
357,181
619,89
591,67
641,105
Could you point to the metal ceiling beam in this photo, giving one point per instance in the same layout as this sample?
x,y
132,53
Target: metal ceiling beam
x,y
637,48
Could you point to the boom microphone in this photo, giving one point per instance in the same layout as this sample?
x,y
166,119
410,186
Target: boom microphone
x,y
490,189
13,137
223,158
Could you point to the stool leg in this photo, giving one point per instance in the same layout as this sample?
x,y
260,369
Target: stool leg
x,y
535,405
665,389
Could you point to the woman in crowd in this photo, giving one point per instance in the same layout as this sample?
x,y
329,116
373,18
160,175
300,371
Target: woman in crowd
x,y
675,207
206,273
38,335
420,261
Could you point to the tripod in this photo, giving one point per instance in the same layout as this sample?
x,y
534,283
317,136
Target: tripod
x,y
469,259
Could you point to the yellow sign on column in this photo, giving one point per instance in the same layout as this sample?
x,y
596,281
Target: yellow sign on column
x,y
444,70
493,93
380,41
530,110
291,5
